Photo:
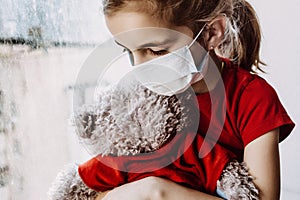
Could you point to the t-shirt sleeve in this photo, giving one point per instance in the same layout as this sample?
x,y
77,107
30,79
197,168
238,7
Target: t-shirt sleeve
x,y
261,111
99,176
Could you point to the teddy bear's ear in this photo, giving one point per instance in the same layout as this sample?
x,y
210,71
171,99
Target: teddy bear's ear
x,y
68,185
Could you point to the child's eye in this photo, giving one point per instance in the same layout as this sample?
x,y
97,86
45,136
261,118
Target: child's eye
x,y
157,53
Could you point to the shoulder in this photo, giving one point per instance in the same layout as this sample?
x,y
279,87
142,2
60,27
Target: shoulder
x,y
254,104
238,80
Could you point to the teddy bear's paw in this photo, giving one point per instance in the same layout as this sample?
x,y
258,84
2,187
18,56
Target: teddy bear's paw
x,y
69,186
236,182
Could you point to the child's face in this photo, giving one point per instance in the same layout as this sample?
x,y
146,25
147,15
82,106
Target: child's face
x,y
146,43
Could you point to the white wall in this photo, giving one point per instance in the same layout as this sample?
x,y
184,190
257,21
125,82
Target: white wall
x,y
280,49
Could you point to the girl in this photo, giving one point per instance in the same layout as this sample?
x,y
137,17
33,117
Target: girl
x,y
255,119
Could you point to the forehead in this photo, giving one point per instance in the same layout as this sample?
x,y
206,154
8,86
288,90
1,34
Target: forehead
x,y
135,29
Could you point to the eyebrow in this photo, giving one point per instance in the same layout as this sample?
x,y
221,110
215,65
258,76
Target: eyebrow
x,y
151,44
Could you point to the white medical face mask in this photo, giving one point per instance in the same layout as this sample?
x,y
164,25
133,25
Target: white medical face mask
x,y
172,73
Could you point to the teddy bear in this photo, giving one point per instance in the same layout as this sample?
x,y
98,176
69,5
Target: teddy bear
x,y
134,129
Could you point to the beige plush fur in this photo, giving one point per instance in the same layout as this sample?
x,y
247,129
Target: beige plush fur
x,y
129,122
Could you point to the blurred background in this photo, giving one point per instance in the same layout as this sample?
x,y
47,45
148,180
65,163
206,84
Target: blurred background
x,y
43,44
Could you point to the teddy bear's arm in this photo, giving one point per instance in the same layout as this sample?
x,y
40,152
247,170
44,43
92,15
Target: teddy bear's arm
x,y
69,186
236,182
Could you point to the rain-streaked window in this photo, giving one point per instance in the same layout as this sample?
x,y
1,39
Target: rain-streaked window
x,y
42,46
51,21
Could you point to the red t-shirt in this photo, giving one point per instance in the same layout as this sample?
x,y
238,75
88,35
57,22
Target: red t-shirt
x,y
251,108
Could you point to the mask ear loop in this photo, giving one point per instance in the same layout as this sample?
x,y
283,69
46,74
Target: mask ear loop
x,y
195,39
204,64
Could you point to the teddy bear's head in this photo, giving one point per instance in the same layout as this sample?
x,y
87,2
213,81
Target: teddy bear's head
x,y
128,122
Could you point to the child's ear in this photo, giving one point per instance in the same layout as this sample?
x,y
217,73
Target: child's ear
x,y
215,32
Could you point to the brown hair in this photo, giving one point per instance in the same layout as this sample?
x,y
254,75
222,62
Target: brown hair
x,y
242,36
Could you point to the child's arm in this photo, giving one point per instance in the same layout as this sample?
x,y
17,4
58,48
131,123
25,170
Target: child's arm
x,y
262,158
155,188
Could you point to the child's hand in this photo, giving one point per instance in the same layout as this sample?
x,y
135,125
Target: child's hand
x,y
102,195
147,188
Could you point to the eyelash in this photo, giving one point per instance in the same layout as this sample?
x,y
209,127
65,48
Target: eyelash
x,y
152,52
157,53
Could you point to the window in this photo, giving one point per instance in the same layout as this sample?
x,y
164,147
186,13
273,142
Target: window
x,y
51,21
